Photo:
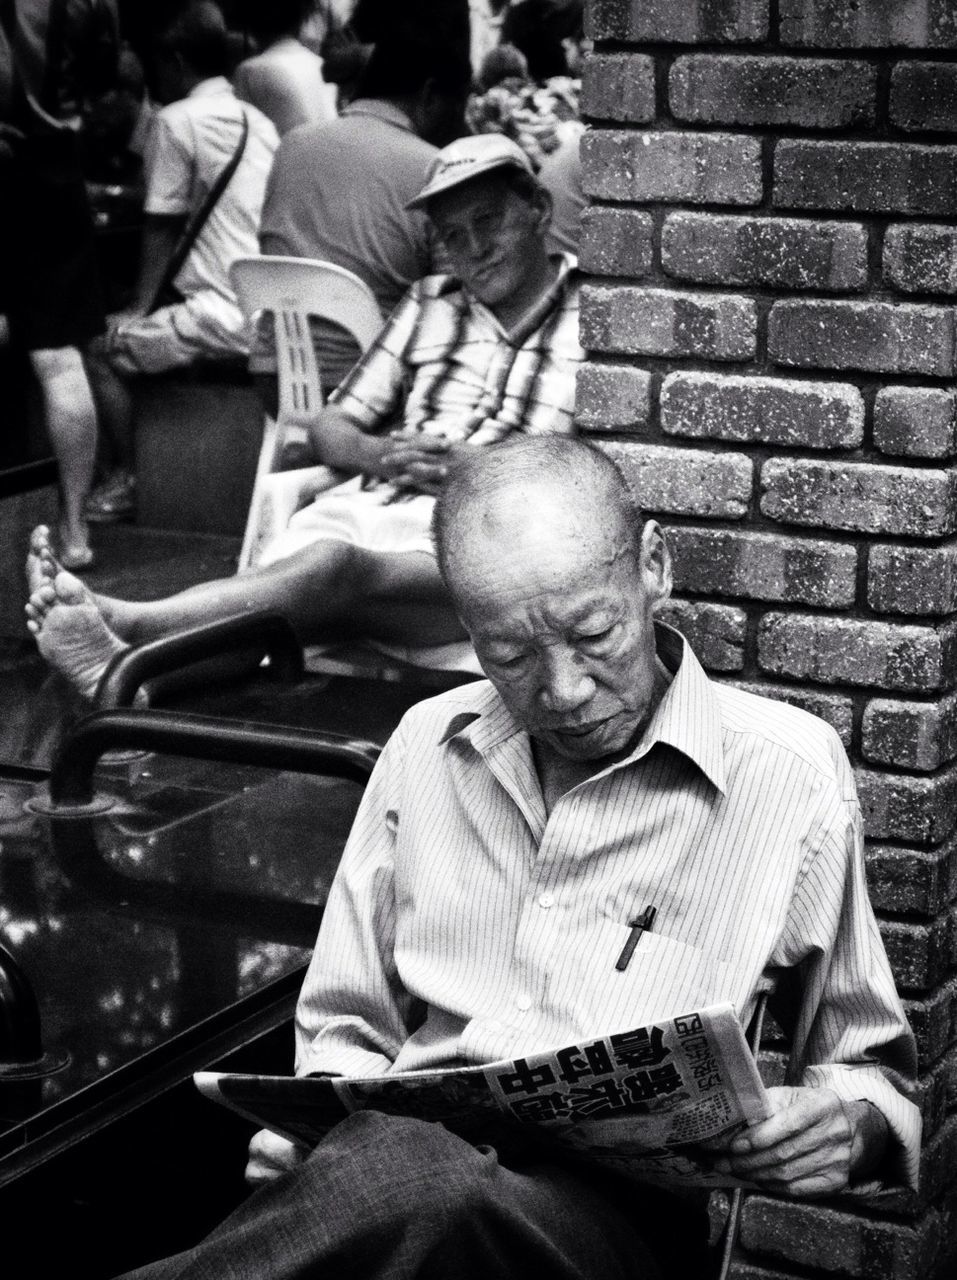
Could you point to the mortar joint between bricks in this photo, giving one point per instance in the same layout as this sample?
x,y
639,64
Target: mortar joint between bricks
x,y
662,64
774,25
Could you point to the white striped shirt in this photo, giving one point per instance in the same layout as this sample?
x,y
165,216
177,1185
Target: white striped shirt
x,y
465,925
445,364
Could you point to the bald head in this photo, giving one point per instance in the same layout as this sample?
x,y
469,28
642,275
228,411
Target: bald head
x,y
556,578
545,487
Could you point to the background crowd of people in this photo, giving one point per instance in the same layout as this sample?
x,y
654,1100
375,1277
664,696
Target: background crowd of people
x,y
117,119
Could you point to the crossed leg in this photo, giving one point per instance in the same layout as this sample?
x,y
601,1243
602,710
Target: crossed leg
x,y
399,598
390,1198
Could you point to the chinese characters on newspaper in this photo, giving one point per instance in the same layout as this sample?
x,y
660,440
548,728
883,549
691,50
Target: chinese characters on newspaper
x,y
637,1101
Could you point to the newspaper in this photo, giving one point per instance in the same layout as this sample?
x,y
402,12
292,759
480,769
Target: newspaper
x,y
635,1101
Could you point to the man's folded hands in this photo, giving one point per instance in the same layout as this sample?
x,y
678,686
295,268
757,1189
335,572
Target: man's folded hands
x,y
419,462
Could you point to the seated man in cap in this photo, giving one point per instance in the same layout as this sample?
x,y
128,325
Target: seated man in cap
x,y
466,360
504,841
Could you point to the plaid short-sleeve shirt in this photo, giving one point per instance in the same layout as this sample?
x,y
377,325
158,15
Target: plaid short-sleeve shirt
x,y
444,365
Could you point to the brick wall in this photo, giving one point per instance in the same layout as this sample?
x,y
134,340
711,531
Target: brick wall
x,y
770,322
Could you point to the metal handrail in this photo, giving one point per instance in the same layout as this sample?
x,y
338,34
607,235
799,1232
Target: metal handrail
x,y
20,1039
200,738
129,670
73,815
23,1064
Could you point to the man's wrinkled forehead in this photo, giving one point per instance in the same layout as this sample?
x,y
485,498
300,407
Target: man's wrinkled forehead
x,y
556,567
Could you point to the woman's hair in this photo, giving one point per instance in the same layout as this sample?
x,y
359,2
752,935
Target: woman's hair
x,y
268,20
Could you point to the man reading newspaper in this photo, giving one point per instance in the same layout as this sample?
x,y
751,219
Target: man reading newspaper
x,y
512,838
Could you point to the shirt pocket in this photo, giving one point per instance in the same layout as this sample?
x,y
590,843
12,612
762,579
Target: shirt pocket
x,y
663,978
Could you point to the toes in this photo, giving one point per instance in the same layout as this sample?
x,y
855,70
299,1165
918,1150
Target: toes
x,y
69,589
44,598
49,564
40,538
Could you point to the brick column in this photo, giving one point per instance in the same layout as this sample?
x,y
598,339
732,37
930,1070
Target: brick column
x,y
770,320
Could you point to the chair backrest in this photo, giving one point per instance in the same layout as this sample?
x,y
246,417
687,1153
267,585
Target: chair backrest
x,y
294,289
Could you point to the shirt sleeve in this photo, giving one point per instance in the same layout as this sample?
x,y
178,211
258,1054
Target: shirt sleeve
x,y
275,217
851,1034
353,1014
375,390
168,165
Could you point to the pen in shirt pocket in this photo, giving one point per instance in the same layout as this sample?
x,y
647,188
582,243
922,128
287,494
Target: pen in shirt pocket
x,y
641,924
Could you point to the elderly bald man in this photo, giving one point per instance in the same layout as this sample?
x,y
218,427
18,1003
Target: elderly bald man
x,y
505,840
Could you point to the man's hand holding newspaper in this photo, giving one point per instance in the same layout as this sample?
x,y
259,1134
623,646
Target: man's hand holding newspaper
x,y
811,1145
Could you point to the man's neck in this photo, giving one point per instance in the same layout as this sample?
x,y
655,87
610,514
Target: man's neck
x,y
558,775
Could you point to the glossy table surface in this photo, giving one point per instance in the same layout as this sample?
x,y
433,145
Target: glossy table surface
x,y
197,891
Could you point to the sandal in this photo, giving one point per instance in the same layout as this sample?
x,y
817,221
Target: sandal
x,y
113,500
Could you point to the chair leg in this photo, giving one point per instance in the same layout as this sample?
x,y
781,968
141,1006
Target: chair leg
x,y
730,1235
737,1197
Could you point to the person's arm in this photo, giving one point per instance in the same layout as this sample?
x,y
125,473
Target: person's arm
x,y
844,1121
353,1014
161,233
168,176
280,199
339,441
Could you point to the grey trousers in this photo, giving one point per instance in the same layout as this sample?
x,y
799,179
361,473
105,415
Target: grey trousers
x,y
395,1198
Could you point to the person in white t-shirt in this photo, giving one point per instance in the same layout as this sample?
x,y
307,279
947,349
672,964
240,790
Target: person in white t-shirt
x,y
191,140
284,79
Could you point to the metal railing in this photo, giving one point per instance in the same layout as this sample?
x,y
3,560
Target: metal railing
x,y
270,635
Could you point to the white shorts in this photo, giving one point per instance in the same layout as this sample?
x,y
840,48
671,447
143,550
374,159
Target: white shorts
x,y
204,327
366,518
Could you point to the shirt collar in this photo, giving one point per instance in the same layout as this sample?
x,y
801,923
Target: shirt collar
x,y
688,717
207,88
532,320
382,110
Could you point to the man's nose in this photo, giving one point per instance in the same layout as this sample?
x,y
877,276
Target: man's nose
x,y
565,684
479,241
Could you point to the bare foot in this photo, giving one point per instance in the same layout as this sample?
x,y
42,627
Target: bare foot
x,y
71,632
42,564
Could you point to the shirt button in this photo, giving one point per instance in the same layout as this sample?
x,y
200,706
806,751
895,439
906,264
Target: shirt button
x,y
546,900
523,1003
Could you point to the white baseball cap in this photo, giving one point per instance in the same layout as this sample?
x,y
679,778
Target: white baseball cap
x,y
469,158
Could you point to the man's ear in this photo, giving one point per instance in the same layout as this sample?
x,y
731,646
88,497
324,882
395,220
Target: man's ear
x,y
655,557
543,209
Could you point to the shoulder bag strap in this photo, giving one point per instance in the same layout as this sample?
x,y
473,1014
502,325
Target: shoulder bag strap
x,y
200,217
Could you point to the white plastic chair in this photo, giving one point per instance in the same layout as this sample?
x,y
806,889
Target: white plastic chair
x,y
294,289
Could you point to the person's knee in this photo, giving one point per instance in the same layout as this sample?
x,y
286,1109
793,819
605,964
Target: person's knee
x,y
329,570
62,375
441,1178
